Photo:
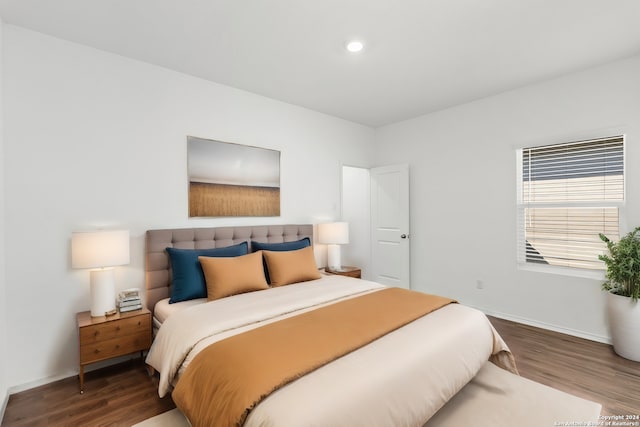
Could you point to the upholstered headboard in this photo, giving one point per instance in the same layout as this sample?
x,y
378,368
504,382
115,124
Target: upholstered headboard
x,y
158,269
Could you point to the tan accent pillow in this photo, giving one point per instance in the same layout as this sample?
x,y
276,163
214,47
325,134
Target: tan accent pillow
x,y
235,275
290,267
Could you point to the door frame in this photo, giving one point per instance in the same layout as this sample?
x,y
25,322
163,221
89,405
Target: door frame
x,y
359,251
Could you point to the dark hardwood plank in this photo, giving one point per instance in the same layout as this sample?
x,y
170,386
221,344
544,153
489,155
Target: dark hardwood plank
x,y
120,395
577,366
124,394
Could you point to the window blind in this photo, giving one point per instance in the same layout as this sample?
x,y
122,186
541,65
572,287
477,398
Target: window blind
x,y
569,194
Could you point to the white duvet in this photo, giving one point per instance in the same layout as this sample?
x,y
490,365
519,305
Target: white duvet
x,y
401,379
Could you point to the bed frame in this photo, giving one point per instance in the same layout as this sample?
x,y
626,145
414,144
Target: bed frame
x,y
493,396
158,276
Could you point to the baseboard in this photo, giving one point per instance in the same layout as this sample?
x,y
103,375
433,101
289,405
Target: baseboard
x,y
42,381
70,373
3,403
548,326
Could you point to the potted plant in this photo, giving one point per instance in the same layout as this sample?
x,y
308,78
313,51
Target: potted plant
x,y
623,286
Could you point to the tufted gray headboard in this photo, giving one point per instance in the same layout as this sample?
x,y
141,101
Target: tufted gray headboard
x,y
158,268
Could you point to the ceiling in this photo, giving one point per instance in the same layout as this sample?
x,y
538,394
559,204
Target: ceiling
x,y
420,55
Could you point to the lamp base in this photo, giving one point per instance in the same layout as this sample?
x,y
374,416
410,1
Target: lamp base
x,y
103,293
333,257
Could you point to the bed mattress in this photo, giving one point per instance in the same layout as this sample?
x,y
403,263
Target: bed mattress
x,y
402,378
493,398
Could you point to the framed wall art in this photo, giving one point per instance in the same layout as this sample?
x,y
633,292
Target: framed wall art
x,y
228,179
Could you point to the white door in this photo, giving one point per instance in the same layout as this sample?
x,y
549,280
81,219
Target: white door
x,y
390,225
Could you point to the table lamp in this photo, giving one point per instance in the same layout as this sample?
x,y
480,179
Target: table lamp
x,y
100,251
333,234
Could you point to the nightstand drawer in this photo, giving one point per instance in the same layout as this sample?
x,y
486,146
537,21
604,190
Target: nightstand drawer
x,y
108,330
114,347
105,337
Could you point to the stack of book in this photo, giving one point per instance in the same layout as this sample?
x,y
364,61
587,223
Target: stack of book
x,y
129,300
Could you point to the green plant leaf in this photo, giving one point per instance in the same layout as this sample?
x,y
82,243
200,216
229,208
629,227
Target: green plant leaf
x,y
623,265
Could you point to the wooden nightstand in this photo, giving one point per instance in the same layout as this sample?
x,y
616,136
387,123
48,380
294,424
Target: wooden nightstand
x,y
346,271
103,338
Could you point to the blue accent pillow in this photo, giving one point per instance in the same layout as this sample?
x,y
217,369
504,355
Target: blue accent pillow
x,y
188,278
278,247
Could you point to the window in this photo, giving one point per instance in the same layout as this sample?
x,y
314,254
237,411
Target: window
x,y
567,195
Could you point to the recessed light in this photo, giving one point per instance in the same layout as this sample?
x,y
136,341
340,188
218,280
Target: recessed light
x,y
354,46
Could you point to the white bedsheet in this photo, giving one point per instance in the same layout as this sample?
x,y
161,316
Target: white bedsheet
x,y
163,309
401,379
184,334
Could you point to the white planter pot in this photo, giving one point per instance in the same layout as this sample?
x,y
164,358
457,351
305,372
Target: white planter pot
x,y
624,321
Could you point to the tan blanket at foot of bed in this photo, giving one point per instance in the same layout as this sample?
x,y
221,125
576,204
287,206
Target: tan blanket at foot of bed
x,y
227,379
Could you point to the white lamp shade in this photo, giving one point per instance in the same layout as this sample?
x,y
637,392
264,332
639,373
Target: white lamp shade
x,y
98,249
333,233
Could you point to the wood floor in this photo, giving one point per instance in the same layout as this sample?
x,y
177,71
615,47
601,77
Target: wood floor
x,y
580,367
119,395
124,394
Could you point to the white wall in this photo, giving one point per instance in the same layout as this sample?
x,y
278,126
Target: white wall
x,y
356,202
93,139
3,308
463,191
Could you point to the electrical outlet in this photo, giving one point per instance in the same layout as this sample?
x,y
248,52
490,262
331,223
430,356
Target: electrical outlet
x,y
479,284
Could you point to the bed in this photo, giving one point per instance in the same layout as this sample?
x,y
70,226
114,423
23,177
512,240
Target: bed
x,y
441,369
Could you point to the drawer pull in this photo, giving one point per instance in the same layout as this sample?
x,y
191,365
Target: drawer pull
x,y
117,328
117,346
96,351
96,333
